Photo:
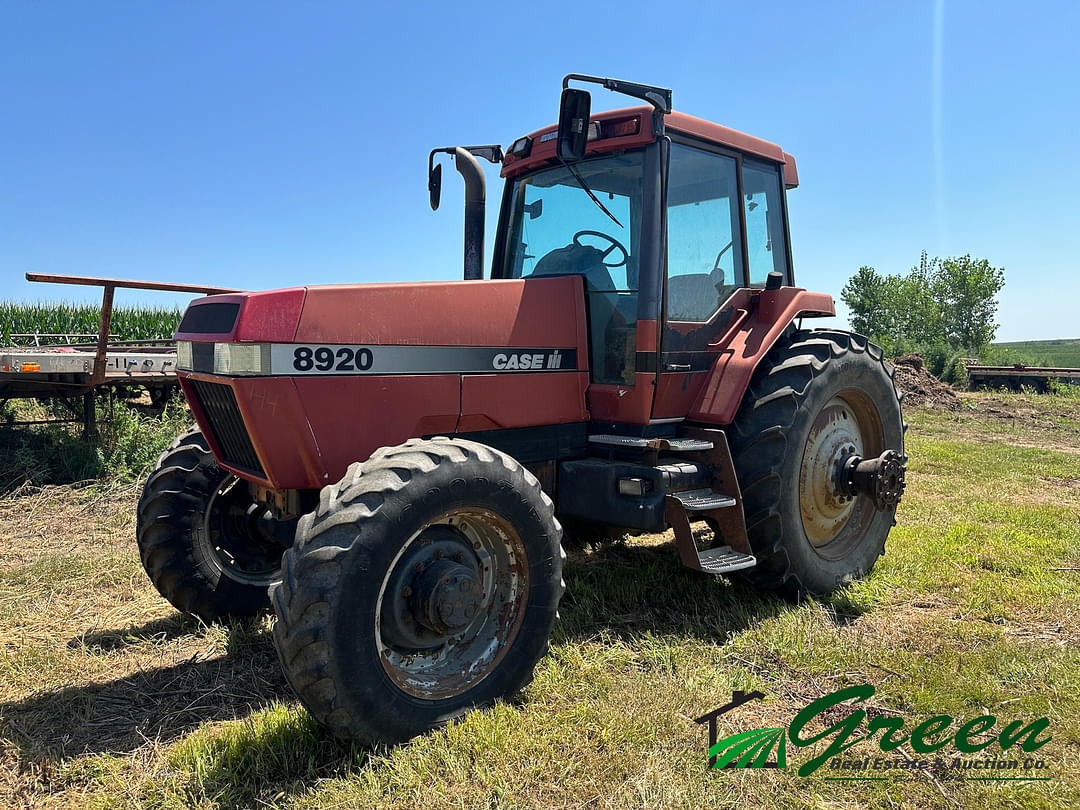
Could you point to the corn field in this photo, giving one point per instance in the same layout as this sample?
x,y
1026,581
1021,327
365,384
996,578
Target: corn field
x,y
70,320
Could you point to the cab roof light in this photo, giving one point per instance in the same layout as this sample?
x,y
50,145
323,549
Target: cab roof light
x,y
521,147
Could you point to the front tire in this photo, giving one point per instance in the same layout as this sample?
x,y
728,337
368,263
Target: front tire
x,y
815,398
426,583
209,549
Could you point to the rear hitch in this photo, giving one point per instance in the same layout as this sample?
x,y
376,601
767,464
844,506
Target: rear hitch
x,y
881,479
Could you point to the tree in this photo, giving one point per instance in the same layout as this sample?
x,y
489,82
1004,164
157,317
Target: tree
x,y
941,305
970,287
866,297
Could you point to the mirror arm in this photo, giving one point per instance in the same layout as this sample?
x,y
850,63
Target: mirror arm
x,y
658,97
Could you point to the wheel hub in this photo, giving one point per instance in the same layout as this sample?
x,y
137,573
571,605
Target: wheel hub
x,y
881,478
446,596
245,541
451,602
435,591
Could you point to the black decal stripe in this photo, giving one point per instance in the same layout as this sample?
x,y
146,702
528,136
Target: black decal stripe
x,y
303,359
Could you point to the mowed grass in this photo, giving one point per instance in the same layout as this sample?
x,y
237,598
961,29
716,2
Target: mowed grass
x,y
108,698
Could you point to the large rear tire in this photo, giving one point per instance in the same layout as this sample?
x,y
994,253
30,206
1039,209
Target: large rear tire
x,y
426,583
209,549
816,397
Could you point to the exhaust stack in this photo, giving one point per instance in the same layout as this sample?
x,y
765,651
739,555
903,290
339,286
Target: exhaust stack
x,y
475,198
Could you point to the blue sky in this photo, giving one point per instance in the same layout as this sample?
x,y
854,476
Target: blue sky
x,y
267,144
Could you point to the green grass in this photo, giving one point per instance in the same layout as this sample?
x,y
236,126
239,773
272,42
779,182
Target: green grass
x,y
130,439
1064,352
110,699
43,317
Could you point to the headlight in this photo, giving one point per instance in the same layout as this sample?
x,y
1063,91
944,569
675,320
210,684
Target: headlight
x,y
241,358
183,355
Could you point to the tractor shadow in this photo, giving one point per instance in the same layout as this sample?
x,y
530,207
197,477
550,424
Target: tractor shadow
x,y
633,589
272,754
155,704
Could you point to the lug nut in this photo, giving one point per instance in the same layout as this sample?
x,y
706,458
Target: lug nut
x,y
406,591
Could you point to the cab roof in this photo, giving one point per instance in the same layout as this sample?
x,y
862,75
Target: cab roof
x,y
542,141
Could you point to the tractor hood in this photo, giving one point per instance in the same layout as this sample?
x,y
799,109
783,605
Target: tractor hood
x,y
512,312
291,386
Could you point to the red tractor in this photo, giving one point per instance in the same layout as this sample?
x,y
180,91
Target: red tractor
x,y
390,466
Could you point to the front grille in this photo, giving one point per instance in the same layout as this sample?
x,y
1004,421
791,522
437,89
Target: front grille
x,y
218,402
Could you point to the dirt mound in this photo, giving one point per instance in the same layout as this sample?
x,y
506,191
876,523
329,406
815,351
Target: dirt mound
x,y
920,387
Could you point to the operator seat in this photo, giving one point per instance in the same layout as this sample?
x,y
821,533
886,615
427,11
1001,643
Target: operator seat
x,y
576,260
607,325
696,296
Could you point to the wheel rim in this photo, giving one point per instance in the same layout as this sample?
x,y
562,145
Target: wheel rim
x,y
243,541
834,522
451,603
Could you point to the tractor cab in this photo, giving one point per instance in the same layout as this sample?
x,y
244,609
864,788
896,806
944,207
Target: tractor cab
x,y
675,226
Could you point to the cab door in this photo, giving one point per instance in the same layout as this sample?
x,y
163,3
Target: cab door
x,y
706,270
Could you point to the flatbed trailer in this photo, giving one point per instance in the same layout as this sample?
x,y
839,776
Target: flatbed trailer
x,y
79,369
1018,376
67,371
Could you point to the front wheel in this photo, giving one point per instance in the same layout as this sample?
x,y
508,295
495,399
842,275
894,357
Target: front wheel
x,y
207,546
426,583
818,402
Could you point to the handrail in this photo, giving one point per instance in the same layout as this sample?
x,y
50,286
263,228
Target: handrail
x,y
110,285
164,286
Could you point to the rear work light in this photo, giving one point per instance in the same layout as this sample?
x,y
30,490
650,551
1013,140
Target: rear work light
x,y
614,129
617,129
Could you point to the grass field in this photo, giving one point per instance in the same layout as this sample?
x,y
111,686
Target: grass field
x,y
108,698
1064,353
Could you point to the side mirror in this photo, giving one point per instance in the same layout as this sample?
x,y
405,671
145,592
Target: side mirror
x,y
574,108
434,185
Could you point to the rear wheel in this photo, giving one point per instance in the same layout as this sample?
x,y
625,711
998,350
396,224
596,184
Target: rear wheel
x,y
426,583
207,546
817,400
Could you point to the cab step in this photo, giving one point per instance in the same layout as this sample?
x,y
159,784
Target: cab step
x,y
688,445
703,500
674,445
723,559
610,440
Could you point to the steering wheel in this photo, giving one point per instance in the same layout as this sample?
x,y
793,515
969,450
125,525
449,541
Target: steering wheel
x,y
615,243
716,265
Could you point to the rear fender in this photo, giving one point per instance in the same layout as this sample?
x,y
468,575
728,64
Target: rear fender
x,y
757,325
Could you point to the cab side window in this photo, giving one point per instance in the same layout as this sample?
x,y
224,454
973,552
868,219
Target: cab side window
x,y
765,240
705,261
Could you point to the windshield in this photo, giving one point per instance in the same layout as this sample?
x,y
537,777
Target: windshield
x,y
556,229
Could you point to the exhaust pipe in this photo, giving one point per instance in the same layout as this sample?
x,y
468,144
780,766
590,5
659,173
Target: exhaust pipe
x,y
475,195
